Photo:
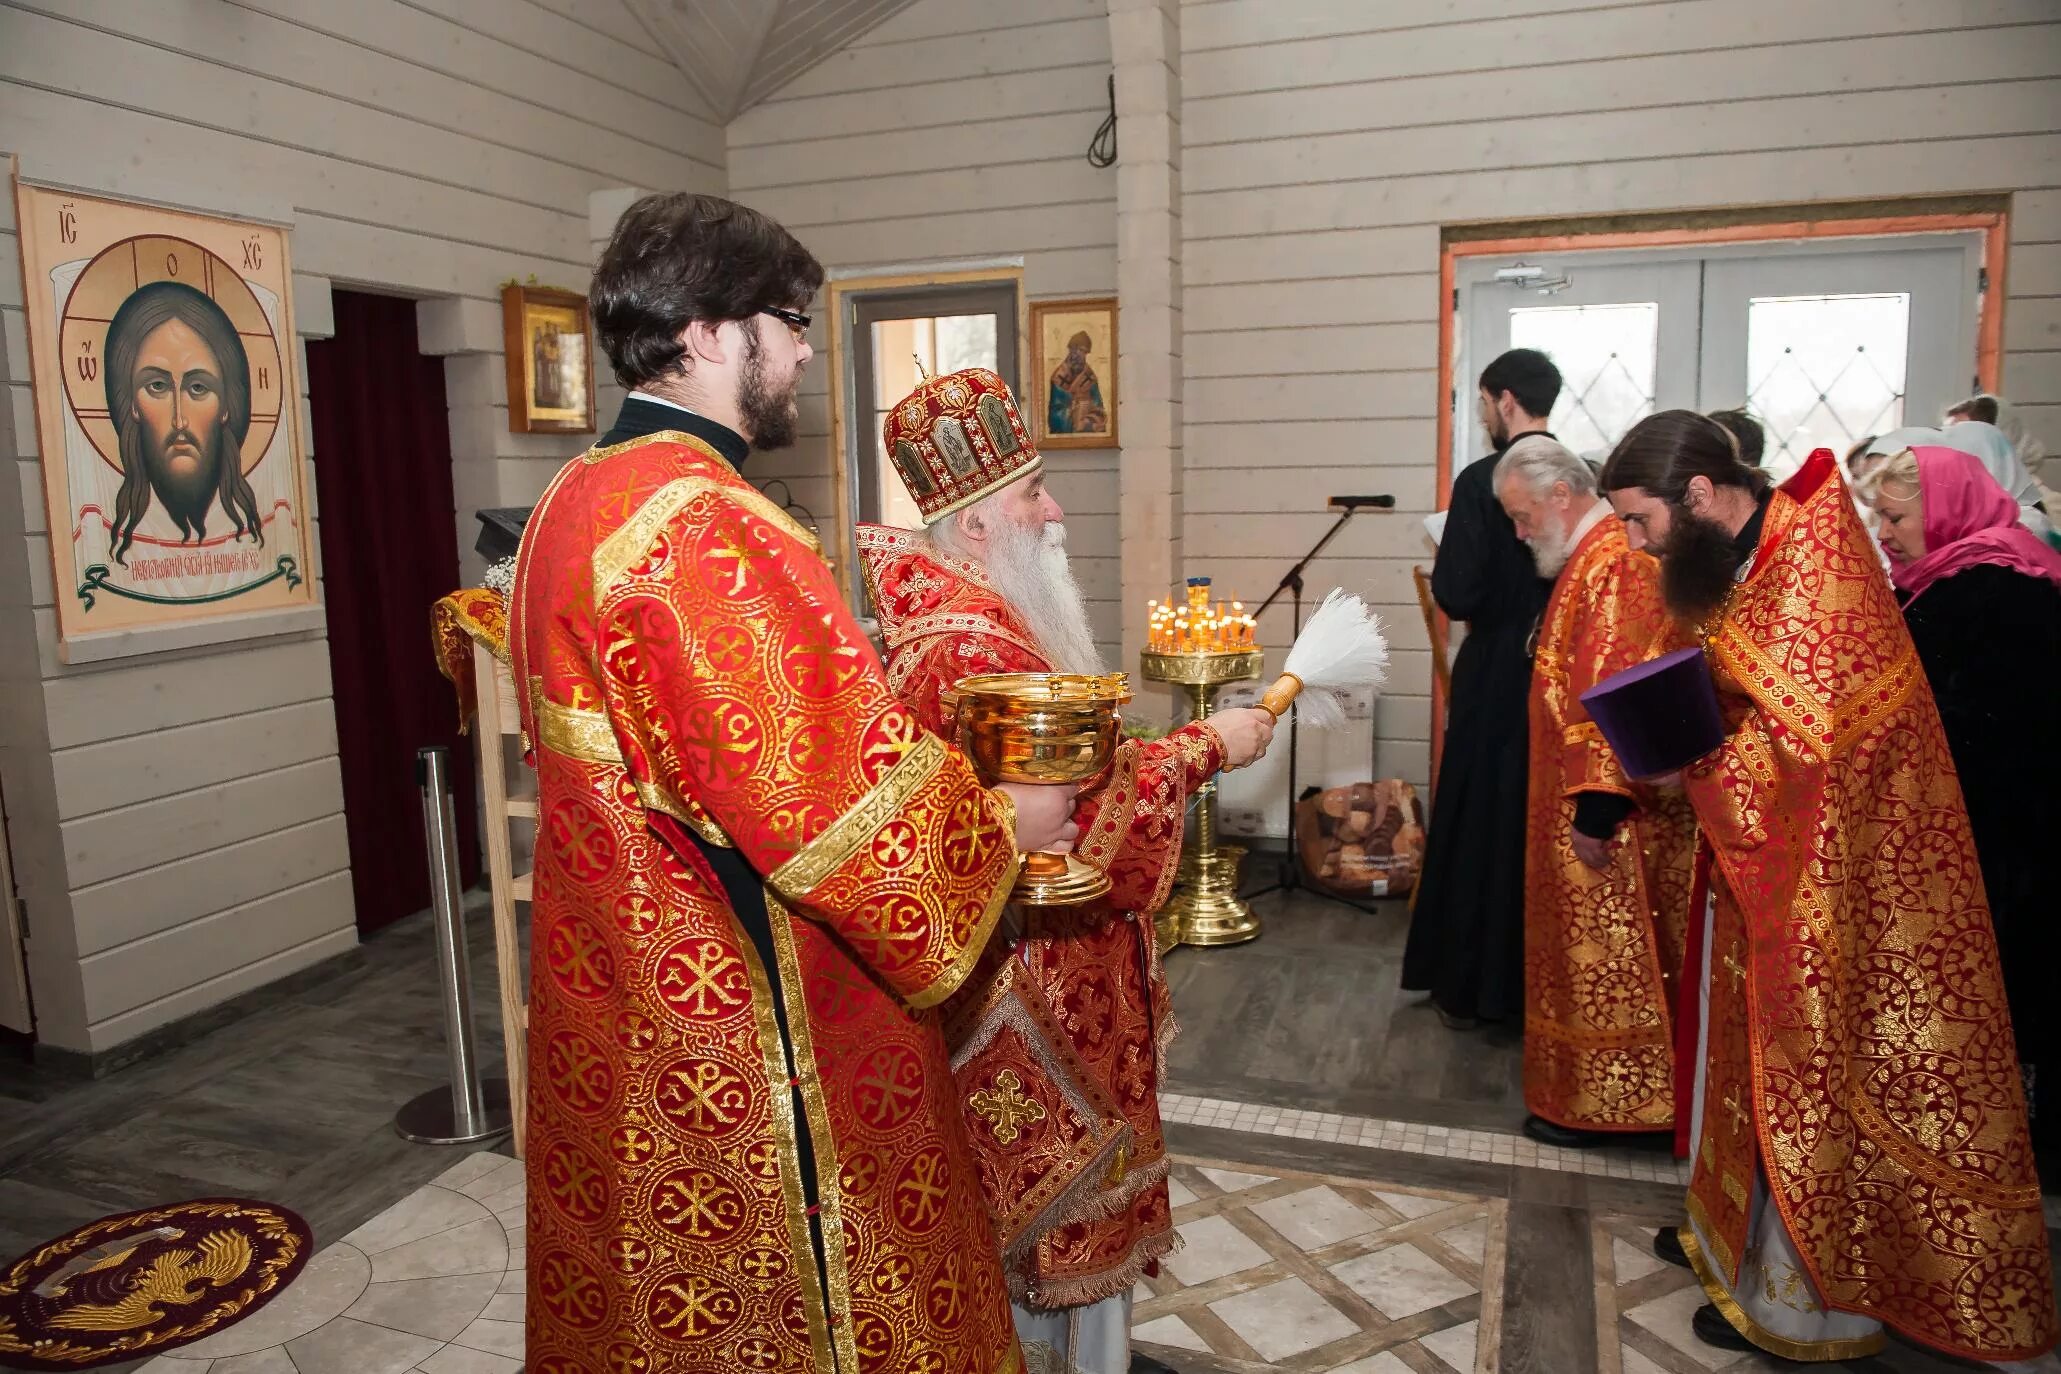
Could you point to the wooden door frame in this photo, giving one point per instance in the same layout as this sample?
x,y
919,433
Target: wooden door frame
x,y
838,293
1988,215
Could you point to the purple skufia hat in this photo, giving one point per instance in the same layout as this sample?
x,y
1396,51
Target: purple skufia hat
x,y
1659,716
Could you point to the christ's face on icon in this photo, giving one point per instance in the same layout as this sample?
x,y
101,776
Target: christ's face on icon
x,y
178,402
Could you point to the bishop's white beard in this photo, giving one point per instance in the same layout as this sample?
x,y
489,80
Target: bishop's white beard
x,y
1550,549
1031,573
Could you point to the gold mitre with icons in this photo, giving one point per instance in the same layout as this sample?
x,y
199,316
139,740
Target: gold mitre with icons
x,y
956,438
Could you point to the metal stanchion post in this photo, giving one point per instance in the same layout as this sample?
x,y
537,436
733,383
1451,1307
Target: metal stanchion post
x,y
471,1110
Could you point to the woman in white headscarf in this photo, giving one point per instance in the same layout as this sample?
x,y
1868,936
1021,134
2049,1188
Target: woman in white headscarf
x,y
2000,456
1997,411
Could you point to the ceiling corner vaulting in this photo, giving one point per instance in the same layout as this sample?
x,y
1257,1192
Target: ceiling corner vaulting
x,y
735,53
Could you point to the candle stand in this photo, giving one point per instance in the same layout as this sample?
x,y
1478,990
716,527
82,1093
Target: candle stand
x,y
1204,908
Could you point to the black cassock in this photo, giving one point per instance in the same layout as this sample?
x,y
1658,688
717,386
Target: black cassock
x,y
1467,933
1990,640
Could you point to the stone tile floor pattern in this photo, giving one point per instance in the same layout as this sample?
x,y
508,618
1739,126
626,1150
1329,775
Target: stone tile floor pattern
x,y
1651,1303
1651,1165
1308,1272
434,1283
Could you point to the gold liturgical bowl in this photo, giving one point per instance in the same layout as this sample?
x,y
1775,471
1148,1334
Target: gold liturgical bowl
x,y
1043,728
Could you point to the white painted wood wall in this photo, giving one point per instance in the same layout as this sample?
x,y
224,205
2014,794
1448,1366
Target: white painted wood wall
x,y
1325,142
177,820
957,129
438,147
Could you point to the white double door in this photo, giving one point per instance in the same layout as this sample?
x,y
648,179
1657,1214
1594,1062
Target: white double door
x,y
1826,342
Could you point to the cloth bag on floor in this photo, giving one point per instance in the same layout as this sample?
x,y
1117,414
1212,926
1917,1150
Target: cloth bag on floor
x,y
1366,840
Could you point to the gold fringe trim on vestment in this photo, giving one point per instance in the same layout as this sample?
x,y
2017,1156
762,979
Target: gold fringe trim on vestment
x,y
1110,1282
1816,1352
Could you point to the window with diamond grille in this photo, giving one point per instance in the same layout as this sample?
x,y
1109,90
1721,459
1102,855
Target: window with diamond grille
x,y
1826,371
1607,357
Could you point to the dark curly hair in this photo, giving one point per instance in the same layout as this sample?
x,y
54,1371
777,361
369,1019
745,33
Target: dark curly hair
x,y
674,259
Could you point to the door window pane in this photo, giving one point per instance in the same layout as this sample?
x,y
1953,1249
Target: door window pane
x,y
1826,371
944,343
1607,356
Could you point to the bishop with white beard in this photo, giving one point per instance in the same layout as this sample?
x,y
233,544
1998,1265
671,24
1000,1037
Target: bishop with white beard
x,y
1059,1037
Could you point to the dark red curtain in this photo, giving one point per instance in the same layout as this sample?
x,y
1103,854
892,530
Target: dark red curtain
x,y
389,550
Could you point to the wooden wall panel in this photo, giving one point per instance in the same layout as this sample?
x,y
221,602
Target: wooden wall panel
x,y
177,818
1326,142
937,137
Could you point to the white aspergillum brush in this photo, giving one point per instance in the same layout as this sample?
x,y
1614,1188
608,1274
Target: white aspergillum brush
x,y
1341,649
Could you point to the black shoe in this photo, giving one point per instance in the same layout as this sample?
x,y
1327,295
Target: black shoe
x,y
1711,1328
1452,1022
1565,1137
1667,1244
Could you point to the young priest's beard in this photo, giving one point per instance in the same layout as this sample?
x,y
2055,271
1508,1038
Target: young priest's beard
x,y
1698,566
775,419
1029,569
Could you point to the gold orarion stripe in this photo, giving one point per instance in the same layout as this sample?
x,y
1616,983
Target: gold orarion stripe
x,y
632,539
822,856
568,730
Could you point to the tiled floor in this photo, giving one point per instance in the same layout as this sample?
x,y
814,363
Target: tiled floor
x,y
434,1283
1650,1163
1283,1270
1349,1181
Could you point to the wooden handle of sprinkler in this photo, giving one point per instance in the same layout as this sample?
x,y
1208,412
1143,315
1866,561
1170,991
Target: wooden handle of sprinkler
x,y
1279,697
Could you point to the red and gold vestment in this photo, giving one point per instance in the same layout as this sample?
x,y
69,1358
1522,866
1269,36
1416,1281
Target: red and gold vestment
x,y
1602,947
1059,1038
468,616
1859,1049
698,701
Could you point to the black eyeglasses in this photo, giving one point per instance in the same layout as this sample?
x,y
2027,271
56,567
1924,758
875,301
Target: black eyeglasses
x,y
793,319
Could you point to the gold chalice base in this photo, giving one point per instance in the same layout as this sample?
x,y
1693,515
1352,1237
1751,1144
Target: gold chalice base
x,y
1042,728
1057,880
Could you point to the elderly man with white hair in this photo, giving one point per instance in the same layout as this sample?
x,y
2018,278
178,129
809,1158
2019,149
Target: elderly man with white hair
x,y
1607,861
1059,1034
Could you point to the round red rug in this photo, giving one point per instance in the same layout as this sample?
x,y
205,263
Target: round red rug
x,y
140,1283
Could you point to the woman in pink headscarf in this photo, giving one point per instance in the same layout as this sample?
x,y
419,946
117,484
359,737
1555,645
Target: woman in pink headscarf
x,y
1982,597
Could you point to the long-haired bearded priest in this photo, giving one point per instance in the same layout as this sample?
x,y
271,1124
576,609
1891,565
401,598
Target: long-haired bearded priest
x,y
1059,1038
1860,1154
756,877
1607,862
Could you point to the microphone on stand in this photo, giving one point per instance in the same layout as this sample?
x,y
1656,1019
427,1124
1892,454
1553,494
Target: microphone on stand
x,y
1355,502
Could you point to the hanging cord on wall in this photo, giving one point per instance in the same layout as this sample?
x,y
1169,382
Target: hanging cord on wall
x,y
1102,147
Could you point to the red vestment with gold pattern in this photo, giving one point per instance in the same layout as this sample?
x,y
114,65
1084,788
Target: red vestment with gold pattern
x,y
698,701
1858,1047
1602,947
1059,1038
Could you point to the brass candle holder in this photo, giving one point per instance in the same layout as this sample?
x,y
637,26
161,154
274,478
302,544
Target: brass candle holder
x,y
1204,909
1042,728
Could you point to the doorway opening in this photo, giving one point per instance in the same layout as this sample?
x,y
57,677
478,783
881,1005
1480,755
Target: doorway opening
x,y
1827,330
1829,323
385,516
886,334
